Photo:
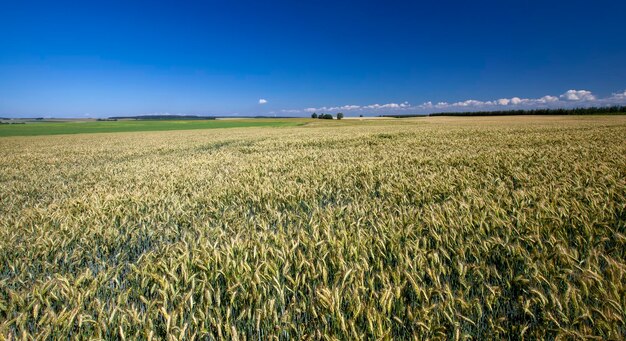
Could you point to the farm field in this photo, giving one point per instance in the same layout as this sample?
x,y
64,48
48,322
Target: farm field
x,y
428,228
82,127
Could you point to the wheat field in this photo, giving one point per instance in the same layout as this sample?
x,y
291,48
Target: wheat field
x,y
437,228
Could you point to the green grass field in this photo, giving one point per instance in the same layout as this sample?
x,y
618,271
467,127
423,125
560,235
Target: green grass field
x,y
485,228
82,127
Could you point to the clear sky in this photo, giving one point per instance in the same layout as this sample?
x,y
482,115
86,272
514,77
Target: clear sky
x,y
105,58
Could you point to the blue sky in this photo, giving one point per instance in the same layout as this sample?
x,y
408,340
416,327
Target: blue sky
x,y
105,58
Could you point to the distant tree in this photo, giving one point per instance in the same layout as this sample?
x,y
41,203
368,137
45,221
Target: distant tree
x,y
325,116
313,115
339,115
361,115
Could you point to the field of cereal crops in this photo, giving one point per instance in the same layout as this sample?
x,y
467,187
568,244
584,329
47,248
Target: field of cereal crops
x,y
433,228
60,127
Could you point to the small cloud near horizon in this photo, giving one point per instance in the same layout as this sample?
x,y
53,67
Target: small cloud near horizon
x,y
578,95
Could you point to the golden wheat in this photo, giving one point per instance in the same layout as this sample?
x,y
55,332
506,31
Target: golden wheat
x,y
484,228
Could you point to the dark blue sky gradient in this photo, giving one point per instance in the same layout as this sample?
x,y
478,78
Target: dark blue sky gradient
x,y
71,58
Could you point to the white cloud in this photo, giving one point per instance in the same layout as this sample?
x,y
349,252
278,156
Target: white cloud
x,y
342,108
548,99
388,106
578,95
571,98
502,102
619,95
470,103
353,107
262,101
